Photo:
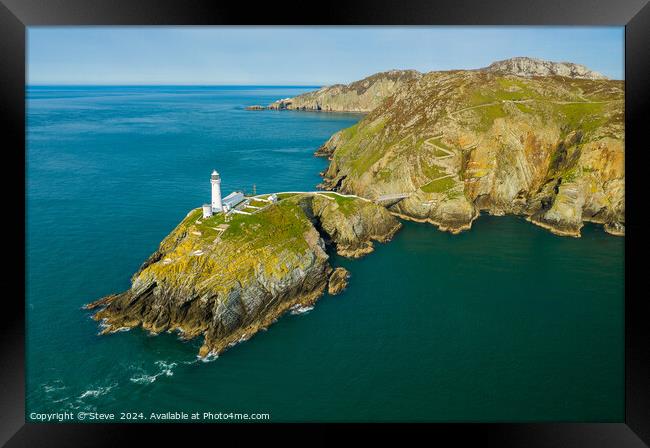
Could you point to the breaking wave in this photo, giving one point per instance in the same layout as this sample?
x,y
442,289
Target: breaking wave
x,y
165,368
208,358
299,309
97,392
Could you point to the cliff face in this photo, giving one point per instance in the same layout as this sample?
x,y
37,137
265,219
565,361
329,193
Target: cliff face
x,y
353,224
460,142
359,96
226,281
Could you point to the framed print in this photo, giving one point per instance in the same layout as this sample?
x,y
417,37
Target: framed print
x,y
419,214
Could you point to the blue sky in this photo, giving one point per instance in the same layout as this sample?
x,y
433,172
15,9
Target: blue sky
x,y
298,55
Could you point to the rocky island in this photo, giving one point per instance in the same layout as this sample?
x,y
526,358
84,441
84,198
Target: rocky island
x,y
534,138
227,278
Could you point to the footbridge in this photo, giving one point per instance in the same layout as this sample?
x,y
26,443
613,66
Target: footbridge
x,y
391,199
386,200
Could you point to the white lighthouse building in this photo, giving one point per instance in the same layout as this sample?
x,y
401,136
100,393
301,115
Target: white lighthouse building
x,y
226,205
215,180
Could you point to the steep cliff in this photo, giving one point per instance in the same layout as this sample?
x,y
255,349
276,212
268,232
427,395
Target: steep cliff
x,y
452,144
227,280
353,224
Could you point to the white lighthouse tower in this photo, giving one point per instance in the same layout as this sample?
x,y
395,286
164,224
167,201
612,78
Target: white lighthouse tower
x,y
215,180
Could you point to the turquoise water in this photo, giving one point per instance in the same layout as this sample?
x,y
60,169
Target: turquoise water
x,y
506,322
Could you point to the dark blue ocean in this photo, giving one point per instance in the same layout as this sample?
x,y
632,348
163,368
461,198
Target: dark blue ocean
x,y
506,322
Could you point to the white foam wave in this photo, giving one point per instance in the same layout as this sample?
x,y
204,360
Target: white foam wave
x,y
56,385
299,309
143,379
102,390
212,356
165,368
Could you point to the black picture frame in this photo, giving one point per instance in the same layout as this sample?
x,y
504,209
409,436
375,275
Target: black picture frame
x,y
16,15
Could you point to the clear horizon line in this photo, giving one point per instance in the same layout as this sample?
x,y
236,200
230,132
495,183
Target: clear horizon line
x,y
130,84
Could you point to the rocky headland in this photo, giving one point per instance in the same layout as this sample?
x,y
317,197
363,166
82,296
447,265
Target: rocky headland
x,y
525,137
227,280
359,96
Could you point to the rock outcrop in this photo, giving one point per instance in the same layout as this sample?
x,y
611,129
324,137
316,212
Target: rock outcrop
x,y
528,67
227,280
353,224
338,281
450,145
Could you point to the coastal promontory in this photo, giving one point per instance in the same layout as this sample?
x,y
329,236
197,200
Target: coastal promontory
x,y
227,278
359,96
526,137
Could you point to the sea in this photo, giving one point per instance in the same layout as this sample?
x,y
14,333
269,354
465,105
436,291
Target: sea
x,y
503,323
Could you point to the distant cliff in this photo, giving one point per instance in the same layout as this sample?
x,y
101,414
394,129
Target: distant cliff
x,y
368,93
226,281
359,96
526,137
